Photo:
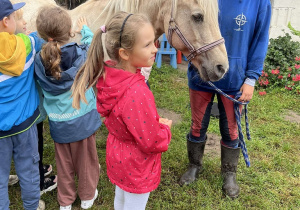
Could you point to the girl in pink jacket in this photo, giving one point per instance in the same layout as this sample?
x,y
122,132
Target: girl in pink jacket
x,y
137,135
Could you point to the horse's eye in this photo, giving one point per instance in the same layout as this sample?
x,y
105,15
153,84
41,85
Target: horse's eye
x,y
198,17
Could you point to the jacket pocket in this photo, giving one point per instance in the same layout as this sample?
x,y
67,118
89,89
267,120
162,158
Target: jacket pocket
x,y
35,174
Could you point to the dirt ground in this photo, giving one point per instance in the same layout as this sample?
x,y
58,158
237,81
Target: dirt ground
x,y
164,113
292,117
212,147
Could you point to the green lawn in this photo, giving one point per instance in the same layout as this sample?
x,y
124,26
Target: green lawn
x,y
272,181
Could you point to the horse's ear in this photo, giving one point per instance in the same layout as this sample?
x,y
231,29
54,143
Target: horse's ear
x,y
124,54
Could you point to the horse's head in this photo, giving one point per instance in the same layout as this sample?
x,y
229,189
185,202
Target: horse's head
x,y
198,23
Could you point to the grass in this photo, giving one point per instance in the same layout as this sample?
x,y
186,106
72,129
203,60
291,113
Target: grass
x,y
272,181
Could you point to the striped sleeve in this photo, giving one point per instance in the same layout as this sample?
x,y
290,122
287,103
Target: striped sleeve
x,y
27,42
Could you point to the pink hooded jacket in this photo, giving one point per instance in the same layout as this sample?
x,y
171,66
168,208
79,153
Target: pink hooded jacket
x,y
136,139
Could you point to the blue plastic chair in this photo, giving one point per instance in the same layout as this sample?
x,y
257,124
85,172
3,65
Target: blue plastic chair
x,y
165,49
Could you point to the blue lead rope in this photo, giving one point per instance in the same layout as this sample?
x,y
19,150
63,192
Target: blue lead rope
x,y
238,120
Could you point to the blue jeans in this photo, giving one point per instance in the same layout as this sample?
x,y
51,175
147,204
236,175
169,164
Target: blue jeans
x,y
23,148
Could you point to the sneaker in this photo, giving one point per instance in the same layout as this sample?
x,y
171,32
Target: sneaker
x,y
50,183
13,179
47,169
42,205
69,207
89,203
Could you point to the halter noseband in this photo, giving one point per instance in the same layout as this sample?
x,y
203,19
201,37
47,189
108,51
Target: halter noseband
x,y
193,52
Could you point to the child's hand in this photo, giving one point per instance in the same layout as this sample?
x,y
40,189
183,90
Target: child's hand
x,y
169,123
80,22
162,120
166,122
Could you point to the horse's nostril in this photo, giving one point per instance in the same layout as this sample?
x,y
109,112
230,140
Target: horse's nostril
x,y
221,69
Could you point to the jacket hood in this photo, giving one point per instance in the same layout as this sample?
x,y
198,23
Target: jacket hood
x,y
114,87
12,54
73,57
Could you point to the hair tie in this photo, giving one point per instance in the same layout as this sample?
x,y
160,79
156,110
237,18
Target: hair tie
x,y
122,28
103,29
50,39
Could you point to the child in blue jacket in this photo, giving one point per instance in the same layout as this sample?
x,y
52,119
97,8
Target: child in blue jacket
x,y
72,130
245,28
18,109
49,183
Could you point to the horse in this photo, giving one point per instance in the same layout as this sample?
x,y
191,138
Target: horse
x,y
196,20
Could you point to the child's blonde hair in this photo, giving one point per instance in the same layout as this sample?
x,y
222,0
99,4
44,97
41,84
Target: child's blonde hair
x,y
54,26
92,69
19,13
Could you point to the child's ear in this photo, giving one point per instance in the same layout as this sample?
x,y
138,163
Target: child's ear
x,y
124,55
5,22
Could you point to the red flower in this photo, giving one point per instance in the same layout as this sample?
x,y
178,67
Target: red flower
x,y
297,66
276,71
280,77
266,82
262,93
290,69
288,88
296,78
289,75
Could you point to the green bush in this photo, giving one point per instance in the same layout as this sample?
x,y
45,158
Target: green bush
x,y
282,65
281,52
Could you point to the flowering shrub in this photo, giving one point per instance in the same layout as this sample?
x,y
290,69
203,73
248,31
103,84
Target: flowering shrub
x,y
289,77
262,93
282,66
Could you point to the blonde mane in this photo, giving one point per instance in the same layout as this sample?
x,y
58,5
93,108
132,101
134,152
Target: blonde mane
x,y
130,6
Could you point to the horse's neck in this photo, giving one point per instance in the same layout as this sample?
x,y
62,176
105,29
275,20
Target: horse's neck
x,y
99,12
91,10
155,13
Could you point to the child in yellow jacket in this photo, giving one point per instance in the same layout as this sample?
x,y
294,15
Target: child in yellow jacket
x,y
18,108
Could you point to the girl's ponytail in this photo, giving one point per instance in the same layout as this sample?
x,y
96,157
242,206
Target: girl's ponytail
x,y
51,56
91,70
55,32
116,37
